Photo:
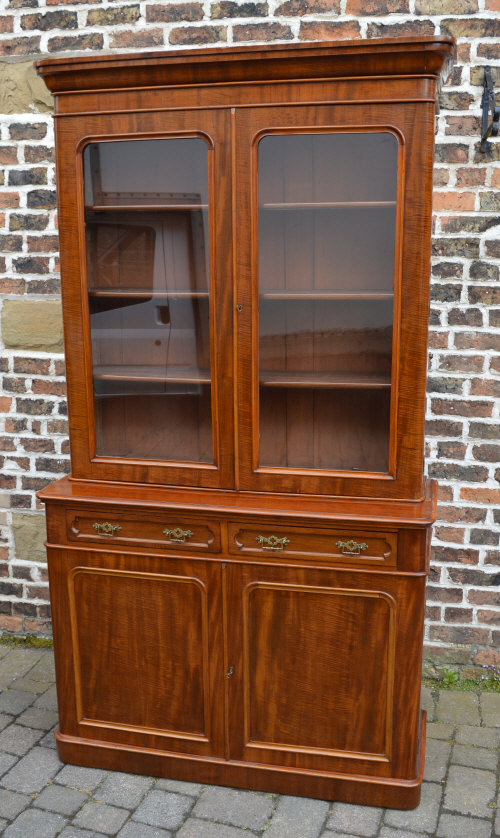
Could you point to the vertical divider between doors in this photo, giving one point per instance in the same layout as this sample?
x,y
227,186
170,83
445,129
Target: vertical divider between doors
x,y
235,302
225,658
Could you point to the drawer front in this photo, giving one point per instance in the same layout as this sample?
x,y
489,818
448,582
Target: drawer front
x,y
350,546
172,533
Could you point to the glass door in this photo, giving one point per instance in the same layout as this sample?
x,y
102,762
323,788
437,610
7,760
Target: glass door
x,y
145,224
146,220
325,306
326,290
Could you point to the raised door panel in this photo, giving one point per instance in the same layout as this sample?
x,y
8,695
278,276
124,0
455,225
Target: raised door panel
x,y
332,253
146,272
316,671
143,666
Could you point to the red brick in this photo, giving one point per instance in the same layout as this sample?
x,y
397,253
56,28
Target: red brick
x,y
460,407
169,12
476,495
329,31
8,200
470,177
198,35
8,155
487,616
462,635
487,657
454,201
453,534
137,39
362,8
458,615
20,46
11,623
262,32
458,555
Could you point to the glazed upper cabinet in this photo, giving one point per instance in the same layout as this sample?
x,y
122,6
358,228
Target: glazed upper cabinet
x,y
249,289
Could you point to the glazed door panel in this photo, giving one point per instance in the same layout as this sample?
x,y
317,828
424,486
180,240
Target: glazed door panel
x,y
155,269
316,659
145,664
324,348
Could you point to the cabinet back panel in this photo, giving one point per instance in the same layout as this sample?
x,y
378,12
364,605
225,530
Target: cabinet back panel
x,y
329,429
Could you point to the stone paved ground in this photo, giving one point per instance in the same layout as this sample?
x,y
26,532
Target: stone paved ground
x,y
42,798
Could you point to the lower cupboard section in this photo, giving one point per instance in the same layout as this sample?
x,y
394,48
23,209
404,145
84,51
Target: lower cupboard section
x,y
301,681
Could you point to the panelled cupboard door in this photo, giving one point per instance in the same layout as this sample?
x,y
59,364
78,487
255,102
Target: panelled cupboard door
x,y
324,670
139,650
332,253
145,214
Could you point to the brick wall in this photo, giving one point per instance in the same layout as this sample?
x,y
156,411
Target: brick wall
x,y
463,450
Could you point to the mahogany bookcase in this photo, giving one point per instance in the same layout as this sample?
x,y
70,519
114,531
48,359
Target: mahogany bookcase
x,y
238,559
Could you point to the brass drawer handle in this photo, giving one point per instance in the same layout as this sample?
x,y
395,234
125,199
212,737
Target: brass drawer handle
x,y
178,536
352,548
106,528
272,542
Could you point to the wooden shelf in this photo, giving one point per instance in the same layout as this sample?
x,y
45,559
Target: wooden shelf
x,y
167,375
326,205
142,207
128,293
324,380
326,295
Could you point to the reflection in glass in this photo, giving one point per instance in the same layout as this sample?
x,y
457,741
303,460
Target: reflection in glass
x,y
327,220
147,270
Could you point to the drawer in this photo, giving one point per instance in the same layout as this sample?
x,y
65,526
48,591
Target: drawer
x,y
351,546
166,531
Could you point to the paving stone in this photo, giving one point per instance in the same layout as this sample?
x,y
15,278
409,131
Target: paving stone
x,y
5,720
458,708
15,701
439,730
100,816
48,740
33,771
357,820
74,832
485,737
6,762
48,699
38,717
140,830
60,799
86,779
44,669
16,739
427,703
193,828
469,791
424,817
15,663
31,685
490,709
192,789
388,832
126,790
12,803
298,817
35,824
453,826
475,757
163,808
437,754
235,807
3,824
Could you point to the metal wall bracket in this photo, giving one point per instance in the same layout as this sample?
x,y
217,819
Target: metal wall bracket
x,y
487,103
